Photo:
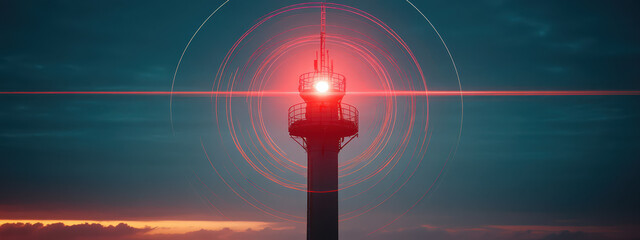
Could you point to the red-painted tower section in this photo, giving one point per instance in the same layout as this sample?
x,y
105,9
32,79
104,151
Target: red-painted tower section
x,y
322,125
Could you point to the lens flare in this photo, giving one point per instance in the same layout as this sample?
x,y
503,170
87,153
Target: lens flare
x,y
321,86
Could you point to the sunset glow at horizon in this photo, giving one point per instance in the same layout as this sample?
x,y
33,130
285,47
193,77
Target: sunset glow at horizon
x,y
158,226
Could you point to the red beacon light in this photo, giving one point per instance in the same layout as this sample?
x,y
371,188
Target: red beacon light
x,y
321,86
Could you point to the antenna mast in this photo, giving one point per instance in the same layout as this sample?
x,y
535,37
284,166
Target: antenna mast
x,y
323,32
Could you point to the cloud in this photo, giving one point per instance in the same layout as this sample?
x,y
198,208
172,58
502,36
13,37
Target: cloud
x,y
123,231
227,234
508,232
28,231
566,235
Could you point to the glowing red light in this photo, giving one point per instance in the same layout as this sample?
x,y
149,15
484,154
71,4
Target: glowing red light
x,y
321,86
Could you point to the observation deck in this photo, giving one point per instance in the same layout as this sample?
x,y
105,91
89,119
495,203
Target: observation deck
x,y
319,118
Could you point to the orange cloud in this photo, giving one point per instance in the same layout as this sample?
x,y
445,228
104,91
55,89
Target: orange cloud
x,y
163,226
163,230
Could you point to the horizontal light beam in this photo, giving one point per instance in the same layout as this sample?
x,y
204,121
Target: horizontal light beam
x,y
356,93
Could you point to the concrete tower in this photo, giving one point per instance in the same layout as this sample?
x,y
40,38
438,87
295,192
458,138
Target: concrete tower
x,y
322,125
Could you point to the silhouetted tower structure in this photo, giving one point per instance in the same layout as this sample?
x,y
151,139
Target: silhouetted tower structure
x,y
322,125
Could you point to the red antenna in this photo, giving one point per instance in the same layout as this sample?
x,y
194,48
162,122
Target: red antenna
x,y
322,66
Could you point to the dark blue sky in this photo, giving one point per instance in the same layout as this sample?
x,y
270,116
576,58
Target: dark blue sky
x,y
527,162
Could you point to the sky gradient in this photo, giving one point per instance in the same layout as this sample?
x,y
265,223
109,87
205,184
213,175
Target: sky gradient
x,y
526,167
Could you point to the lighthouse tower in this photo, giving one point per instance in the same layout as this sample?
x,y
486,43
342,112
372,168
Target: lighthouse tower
x,y
322,125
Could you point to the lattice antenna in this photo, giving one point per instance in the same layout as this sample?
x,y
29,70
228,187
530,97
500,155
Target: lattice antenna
x,y
323,32
321,63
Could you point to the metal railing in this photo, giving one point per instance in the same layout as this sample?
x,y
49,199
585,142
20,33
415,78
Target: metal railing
x,y
346,114
336,81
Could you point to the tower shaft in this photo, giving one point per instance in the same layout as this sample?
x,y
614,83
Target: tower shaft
x,y
322,182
